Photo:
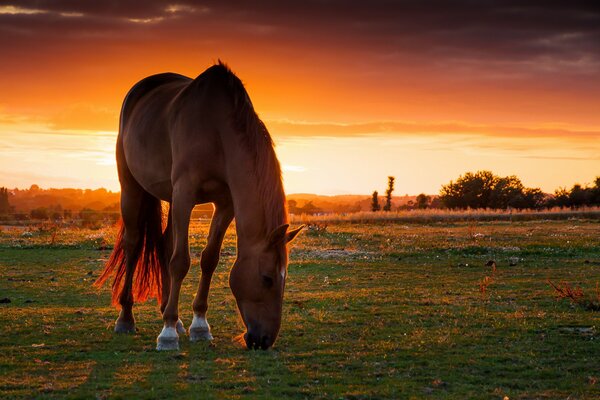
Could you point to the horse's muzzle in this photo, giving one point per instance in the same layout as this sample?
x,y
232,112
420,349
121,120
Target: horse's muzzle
x,y
256,341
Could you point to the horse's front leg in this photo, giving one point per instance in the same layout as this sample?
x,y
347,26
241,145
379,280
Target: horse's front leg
x,y
200,329
165,276
179,265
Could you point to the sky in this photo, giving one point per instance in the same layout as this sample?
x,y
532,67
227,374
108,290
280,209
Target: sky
x,y
351,91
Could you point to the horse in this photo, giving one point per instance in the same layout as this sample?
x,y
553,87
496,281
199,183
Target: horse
x,y
190,141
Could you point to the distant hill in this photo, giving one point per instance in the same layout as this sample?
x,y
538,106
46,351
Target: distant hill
x,y
25,200
344,202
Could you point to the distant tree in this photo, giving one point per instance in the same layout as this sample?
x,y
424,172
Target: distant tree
x,y
534,198
483,189
506,192
310,208
375,202
39,213
292,206
561,197
4,204
90,217
577,196
423,201
436,203
111,214
596,192
580,196
388,194
20,216
471,190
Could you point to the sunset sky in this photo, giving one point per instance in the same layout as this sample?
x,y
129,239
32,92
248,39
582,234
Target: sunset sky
x,y
351,91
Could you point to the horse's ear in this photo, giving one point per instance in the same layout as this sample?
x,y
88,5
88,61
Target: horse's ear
x,y
278,235
289,236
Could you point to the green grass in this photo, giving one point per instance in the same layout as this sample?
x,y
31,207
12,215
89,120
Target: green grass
x,y
371,311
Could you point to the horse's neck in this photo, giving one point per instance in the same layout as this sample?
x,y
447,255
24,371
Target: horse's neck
x,y
249,213
249,206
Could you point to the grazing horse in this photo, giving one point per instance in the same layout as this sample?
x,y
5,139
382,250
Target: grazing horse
x,y
186,142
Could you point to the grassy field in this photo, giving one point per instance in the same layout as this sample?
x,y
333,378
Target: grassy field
x,y
387,310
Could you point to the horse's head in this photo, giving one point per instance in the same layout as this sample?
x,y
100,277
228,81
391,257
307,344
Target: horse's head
x,y
257,281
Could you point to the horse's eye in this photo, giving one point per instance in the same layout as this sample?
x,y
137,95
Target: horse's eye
x,y
267,281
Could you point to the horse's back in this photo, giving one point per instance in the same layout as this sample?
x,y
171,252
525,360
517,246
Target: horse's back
x,y
172,127
143,132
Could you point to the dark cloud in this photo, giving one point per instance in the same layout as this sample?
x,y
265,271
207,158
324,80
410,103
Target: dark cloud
x,y
508,30
432,47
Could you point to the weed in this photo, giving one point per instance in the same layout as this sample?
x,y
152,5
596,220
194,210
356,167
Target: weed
x,y
577,296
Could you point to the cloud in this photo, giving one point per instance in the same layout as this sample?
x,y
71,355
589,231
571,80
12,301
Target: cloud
x,y
16,10
564,34
393,128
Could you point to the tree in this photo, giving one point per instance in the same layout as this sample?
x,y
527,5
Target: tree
x,y
578,196
39,213
292,206
4,204
375,202
388,194
596,192
423,201
561,197
483,189
471,190
506,192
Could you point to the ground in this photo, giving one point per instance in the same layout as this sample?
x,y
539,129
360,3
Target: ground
x,y
386,310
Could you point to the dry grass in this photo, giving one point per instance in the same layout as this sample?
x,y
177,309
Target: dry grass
x,y
439,215
576,295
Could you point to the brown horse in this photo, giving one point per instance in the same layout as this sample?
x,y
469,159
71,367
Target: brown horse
x,y
186,142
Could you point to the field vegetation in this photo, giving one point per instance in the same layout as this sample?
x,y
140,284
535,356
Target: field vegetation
x,y
372,310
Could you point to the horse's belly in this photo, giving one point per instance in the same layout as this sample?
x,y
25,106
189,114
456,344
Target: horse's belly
x,y
149,163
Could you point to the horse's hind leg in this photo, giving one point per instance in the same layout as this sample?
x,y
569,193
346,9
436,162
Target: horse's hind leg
x,y
200,330
131,203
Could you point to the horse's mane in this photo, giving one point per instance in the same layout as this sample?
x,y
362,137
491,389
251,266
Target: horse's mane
x,y
256,138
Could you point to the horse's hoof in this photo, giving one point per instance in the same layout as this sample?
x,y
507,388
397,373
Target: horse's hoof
x,y
180,328
124,327
167,344
200,330
199,334
168,339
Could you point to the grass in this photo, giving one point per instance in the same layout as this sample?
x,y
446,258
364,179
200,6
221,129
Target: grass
x,y
372,311
433,215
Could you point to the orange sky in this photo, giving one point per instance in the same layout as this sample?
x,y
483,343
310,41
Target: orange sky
x,y
350,94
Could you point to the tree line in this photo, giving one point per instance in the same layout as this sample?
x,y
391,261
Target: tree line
x,y
484,189
481,189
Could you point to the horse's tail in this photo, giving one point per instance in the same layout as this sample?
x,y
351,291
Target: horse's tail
x,y
150,256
